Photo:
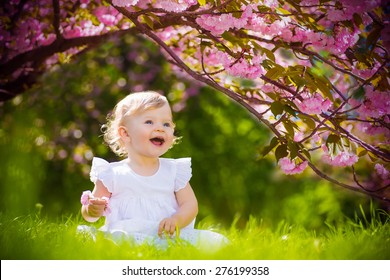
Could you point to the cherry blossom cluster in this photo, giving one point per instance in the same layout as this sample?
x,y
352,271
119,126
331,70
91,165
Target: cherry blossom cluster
x,y
290,167
250,69
341,158
315,104
167,5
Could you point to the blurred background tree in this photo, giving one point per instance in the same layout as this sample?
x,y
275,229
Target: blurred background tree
x,y
49,135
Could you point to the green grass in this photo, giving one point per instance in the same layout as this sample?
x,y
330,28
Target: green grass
x,y
34,237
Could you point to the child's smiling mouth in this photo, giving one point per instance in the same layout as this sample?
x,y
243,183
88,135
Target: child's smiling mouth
x,y
158,141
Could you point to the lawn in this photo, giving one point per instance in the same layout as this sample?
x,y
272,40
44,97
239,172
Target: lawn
x,y
35,237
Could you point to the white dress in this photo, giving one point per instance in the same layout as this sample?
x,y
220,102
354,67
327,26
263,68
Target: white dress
x,y
138,203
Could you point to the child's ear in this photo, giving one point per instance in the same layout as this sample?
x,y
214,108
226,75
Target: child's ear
x,y
124,135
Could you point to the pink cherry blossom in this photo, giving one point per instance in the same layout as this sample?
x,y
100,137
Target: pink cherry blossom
x,y
298,136
271,3
313,105
289,167
335,15
85,196
124,3
309,2
242,67
373,129
46,40
383,173
375,105
365,73
216,24
342,158
174,5
109,16
343,40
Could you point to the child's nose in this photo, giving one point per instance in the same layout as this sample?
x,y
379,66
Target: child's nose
x,y
160,127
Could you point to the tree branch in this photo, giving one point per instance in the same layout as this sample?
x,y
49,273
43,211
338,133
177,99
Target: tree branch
x,y
349,187
9,88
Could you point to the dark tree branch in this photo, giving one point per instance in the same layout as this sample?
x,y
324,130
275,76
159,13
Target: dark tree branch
x,y
35,59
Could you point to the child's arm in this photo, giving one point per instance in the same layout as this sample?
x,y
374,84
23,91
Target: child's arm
x,y
95,209
188,209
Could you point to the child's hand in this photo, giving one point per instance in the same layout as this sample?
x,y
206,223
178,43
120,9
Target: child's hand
x,y
167,227
96,207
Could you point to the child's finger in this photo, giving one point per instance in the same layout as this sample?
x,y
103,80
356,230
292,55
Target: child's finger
x,y
161,228
170,228
97,201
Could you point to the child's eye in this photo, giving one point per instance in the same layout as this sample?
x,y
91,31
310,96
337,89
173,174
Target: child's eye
x,y
148,122
167,125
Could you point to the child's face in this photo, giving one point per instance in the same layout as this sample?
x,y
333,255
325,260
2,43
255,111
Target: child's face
x,y
150,133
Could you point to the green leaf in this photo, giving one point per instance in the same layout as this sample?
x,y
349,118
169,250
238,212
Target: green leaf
x,y
381,82
296,70
229,37
275,72
359,93
277,108
289,126
272,95
290,110
283,11
204,44
247,83
297,80
384,148
263,9
148,21
363,58
281,152
294,148
270,147
324,87
310,83
361,151
269,54
308,121
307,154
233,39
372,157
357,19
373,37
333,139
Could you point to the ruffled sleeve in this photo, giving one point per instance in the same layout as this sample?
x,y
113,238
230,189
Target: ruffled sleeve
x,y
183,173
101,170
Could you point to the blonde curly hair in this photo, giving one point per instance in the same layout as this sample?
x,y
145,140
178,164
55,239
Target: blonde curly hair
x,y
133,103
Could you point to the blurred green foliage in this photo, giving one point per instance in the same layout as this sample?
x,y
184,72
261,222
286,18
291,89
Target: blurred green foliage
x,y
49,135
